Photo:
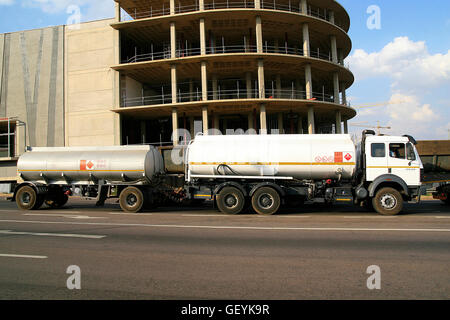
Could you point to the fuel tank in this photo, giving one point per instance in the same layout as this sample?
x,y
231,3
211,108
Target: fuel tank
x,y
303,157
87,165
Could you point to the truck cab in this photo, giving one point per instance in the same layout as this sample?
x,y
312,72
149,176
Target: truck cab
x,y
392,170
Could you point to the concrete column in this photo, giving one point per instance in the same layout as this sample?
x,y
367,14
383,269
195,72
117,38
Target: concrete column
x,y
306,45
311,125
308,82
204,82
118,12
216,121
251,120
20,143
205,120
332,20
340,56
338,122
278,86
173,75
345,126
191,90
215,86
248,77
300,125
259,36
175,126
263,118
261,86
143,131
344,93
172,7
202,37
298,89
336,88
334,55
201,5
173,41
257,4
276,45
280,123
192,126
304,6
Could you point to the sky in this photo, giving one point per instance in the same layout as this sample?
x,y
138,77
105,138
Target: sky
x,y
400,57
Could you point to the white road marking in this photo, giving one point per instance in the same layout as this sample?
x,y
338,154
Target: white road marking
x,y
63,235
226,227
130,214
70,216
22,256
208,215
442,217
369,217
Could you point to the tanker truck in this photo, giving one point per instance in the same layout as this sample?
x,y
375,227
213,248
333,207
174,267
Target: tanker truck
x,y
236,172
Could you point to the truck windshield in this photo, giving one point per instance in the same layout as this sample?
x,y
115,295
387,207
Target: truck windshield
x,y
410,152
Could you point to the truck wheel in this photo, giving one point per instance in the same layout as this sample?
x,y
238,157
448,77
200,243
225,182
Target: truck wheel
x,y
131,200
57,200
266,201
447,201
27,199
230,200
388,201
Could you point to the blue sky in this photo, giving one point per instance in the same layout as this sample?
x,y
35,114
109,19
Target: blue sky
x,y
406,62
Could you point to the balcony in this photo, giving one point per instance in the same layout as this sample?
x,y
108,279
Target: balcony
x,y
182,53
289,6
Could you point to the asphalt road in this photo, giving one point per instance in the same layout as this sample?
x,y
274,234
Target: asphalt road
x,y
197,253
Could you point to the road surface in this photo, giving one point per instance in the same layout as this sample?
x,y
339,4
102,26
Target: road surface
x,y
197,253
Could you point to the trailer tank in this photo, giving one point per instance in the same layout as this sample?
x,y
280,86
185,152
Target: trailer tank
x,y
86,165
298,156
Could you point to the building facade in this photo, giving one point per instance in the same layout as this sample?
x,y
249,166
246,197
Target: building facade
x,y
162,67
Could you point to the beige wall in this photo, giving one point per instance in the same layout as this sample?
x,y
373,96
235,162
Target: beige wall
x,y
91,85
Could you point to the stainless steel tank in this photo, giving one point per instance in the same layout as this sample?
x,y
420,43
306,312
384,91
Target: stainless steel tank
x,y
297,156
87,165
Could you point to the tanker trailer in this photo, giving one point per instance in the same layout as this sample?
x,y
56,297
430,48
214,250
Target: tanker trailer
x,y
51,175
267,171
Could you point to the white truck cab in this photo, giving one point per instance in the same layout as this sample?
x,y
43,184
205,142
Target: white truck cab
x,y
391,171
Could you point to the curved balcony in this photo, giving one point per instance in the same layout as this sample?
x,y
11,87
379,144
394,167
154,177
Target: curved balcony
x,y
227,94
183,53
290,6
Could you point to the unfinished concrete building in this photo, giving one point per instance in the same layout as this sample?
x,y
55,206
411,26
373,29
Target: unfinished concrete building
x,y
233,66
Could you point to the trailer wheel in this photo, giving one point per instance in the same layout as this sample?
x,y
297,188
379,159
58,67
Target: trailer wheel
x,y
230,200
56,200
28,199
388,201
131,200
266,201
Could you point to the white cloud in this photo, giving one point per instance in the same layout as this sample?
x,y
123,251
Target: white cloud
x,y
414,75
409,64
6,2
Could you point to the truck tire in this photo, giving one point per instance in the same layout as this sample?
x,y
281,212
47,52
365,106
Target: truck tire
x,y
28,199
388,202
230,200
56,200
266,201
447,201
131,200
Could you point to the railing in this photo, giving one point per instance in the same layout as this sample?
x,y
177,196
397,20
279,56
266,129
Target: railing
x,y
270,5
225,94
180,53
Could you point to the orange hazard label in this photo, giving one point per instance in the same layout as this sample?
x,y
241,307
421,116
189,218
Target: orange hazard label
x,y
338,157
86,165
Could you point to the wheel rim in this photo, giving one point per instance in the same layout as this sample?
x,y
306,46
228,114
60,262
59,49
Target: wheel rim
x,y
388,201
266,201
231,201
25,198
131,200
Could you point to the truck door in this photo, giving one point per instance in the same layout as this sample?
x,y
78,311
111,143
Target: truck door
x,y
376,160
403,162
